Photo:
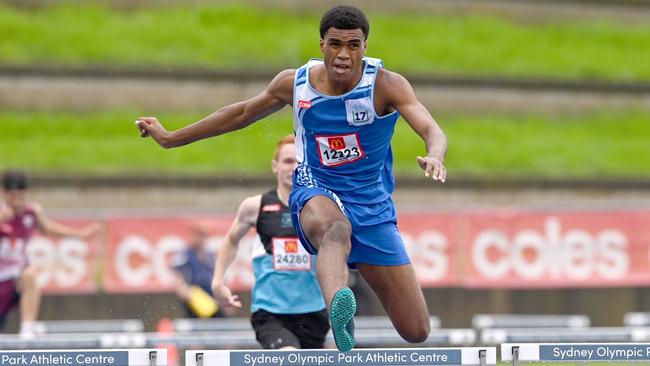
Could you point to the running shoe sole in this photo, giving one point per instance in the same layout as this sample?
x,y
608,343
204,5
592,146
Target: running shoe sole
x,y
342,311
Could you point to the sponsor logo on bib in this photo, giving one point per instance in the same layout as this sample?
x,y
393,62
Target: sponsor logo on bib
x,y
336,143
291,246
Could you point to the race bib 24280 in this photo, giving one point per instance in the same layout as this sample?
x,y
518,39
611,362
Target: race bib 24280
x,y
289,255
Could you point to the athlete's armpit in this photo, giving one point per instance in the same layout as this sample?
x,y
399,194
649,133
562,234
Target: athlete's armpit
x,y
281,87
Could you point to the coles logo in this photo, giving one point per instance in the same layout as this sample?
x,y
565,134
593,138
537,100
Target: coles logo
x,y
305,104
336,143
551,253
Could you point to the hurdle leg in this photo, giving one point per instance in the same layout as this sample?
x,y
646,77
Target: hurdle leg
x,y
481,356
199,359
153,358
515,356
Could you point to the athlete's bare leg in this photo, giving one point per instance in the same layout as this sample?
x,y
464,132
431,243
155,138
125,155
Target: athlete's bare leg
x,y
30,295
30,301
327,228
401,296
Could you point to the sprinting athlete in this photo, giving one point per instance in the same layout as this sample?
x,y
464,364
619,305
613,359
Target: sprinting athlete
x,y
19,220
345,109
287,308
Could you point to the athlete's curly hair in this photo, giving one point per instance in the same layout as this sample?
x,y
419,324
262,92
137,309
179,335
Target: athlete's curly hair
x,y
344,17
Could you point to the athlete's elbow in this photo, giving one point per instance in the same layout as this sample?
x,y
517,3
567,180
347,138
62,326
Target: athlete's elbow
x,y
230,242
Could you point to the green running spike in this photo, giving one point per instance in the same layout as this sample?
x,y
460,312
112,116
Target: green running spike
x,y
342,311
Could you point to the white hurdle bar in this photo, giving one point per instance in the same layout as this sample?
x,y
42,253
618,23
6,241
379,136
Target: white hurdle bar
x,y
88,326
366,338
575,352
570,335
241,324
458,356
86,357
636,319
485,321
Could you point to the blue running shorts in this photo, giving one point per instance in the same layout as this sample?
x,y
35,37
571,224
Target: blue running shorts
x,y
375,237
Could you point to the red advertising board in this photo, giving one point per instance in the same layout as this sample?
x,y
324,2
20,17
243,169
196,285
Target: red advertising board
x,y
491,249
557,249
140,251
65,265
432,241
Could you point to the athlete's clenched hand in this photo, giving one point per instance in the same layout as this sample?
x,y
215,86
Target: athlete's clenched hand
x,y
150,126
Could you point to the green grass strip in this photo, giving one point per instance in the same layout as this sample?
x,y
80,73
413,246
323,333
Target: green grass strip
x,y
236,37
603,145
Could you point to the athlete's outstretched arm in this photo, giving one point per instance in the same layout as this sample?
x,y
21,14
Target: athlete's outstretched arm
x,y
232,117
50,227
244,221
399,93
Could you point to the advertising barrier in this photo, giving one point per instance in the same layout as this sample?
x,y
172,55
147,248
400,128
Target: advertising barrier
x,y
513,249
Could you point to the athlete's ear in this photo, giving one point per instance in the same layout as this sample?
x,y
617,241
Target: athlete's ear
x,y
274,166
365,46
322,44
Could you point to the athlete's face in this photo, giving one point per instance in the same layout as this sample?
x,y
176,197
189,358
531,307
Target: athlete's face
x,y
285,164
200,232
343,51
16,199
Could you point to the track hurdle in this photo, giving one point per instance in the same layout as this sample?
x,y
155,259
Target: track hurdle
x,y
89,326
458,356
575,352
85,357
244,324
485,321
636,319
569,335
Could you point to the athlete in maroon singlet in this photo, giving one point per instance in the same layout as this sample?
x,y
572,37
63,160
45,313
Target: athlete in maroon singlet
x,y
19,219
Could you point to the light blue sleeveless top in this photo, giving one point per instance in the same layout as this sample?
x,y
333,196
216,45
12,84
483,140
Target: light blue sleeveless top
x,y
285,276
283,291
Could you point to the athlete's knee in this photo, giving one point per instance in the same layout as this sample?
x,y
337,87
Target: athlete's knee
x,y
326,229
416,329
417,333
28,279
336,232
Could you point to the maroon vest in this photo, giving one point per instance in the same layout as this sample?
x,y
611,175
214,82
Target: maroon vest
x,y
14,236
